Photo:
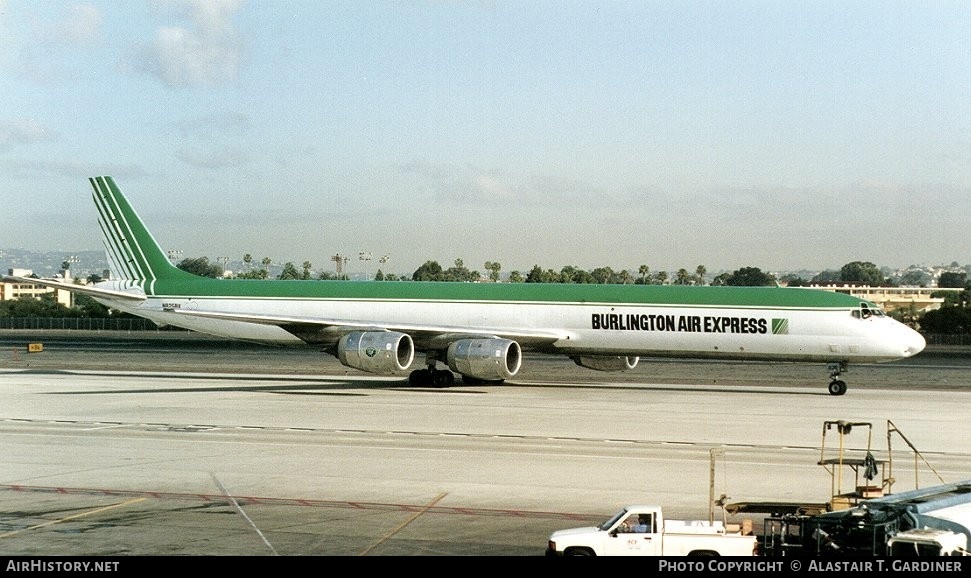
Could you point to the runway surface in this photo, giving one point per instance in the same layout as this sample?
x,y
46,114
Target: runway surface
x,y
154,444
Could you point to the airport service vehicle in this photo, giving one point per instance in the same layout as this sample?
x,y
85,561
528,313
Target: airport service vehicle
x,y
641,530
480,330
933,521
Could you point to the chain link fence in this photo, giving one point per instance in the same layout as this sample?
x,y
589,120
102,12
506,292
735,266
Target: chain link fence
x,y
81,323
942,339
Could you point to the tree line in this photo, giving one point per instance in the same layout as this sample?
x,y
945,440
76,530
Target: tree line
x,y
854,273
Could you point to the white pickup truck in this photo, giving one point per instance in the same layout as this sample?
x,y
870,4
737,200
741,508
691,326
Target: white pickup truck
x,y
643,531
927,542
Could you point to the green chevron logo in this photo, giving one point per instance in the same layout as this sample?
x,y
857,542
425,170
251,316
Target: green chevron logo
x,y
780,326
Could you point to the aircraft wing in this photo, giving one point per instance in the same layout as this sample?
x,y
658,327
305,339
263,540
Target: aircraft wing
x,y
325,331
136,294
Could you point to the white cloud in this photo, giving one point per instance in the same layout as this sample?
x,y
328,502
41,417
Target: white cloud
x,y
213,159
203,52
82,25
470,184
229,124
23,131
451,184
77,171
36,46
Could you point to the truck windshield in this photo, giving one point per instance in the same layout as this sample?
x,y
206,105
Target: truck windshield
x,y
613,520
914,549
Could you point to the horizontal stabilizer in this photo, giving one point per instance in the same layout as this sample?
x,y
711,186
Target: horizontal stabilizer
x,y
135,294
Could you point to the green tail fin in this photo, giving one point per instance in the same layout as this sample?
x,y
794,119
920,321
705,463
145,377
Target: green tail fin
x,y
133,254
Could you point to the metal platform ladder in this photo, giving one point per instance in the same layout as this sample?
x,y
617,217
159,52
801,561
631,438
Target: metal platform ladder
x,y
860,461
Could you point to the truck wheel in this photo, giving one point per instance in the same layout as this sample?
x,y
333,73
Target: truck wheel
x,y
578,552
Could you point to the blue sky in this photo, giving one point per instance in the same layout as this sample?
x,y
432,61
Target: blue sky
x,y
780,135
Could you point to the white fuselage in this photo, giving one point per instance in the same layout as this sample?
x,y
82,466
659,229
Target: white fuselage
x,y
592,329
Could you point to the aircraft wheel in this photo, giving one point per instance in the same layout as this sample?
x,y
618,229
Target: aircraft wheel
x,y
443,379
420,377
837,387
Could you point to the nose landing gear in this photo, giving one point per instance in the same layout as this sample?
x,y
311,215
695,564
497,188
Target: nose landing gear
x,y
836,386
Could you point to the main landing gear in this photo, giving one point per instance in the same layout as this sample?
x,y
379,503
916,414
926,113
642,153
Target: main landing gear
x,y
431,377
837,386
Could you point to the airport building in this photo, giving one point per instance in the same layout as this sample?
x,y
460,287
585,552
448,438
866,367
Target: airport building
x,y
10,291
894,298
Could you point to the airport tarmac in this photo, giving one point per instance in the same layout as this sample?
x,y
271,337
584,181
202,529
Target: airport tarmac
x,y
166,443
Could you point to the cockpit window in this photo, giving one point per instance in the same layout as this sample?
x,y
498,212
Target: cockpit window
x,y
866,311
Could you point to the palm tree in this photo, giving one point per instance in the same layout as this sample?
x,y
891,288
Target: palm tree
x,y
644,270
700,274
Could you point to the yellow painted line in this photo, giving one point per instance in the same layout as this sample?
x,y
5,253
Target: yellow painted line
x,y
75,516
402,525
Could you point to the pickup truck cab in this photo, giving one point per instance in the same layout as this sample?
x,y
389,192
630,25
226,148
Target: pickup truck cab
x,y
927,542
639,530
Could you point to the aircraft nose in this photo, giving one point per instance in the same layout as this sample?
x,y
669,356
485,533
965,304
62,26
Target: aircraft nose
x,y
914,343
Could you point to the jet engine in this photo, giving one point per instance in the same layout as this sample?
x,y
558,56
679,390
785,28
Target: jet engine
x,y
488,359
606,362
376,351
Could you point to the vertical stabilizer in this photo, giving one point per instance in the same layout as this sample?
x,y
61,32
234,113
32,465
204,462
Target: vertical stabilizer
x,y
133,254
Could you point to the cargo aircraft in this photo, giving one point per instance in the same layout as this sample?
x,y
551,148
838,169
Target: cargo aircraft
x,y
480,330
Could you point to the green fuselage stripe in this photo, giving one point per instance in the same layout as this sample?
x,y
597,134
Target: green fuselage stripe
x,y
744,297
